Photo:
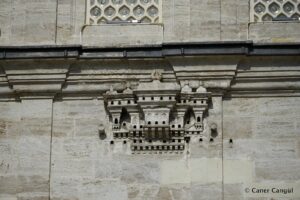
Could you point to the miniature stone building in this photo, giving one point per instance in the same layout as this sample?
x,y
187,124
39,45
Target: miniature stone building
x,y
143,115
149,99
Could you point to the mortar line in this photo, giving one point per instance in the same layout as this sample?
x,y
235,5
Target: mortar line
x,y
56,21
222,120
50,159
220,18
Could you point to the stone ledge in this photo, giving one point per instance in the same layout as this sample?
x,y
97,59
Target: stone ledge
x,y
275,32
122,35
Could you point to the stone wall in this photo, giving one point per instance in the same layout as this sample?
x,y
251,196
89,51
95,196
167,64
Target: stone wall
x,y
265,133
53,149
25,142
52,111
50,22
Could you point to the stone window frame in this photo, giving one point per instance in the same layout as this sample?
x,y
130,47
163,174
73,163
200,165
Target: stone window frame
x,y
274,11
99,12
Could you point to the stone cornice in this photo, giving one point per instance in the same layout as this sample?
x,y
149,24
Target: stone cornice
x,y
227,75
247,48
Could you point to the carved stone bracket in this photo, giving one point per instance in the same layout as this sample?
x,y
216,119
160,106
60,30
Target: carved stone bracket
x,y
157,116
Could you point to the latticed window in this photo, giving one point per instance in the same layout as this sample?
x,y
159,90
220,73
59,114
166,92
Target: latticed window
x,y
123,11
275,10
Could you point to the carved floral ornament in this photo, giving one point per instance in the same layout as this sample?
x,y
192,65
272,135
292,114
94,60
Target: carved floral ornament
x,y
157,116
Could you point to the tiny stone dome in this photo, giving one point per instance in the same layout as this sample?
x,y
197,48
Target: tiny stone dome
x,y
186,89
201,89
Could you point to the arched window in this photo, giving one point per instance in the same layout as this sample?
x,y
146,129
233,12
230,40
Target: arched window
x,y
198,119
116,121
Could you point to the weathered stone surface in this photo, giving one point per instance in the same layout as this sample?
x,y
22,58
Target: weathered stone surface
x,y
233,191
84,167
272,144
278,170
30,23
122,35
52,149
260,149
8,184
25,146
5,10
34,149
238,171
70,21
80,155
234,20
210,191
242,129
274,32
176,18
63,22
264,132
205,28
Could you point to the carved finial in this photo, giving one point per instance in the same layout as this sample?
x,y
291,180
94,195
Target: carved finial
x,y
156,75
201,88
128,89
186,88
111,90
213,126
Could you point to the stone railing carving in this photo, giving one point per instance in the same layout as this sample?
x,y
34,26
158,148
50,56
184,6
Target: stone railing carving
x,y
274,10
116,11
157,116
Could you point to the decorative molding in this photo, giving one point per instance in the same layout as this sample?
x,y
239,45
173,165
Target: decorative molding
x,y
165,50
68,79
157,116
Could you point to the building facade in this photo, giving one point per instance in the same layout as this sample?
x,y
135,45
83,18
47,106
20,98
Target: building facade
x,y
149,99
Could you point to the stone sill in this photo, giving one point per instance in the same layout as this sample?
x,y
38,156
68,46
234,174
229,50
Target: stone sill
x,y
275,32
122,35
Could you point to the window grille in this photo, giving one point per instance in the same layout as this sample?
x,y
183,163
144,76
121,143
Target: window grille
x,y
275,10
123,11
